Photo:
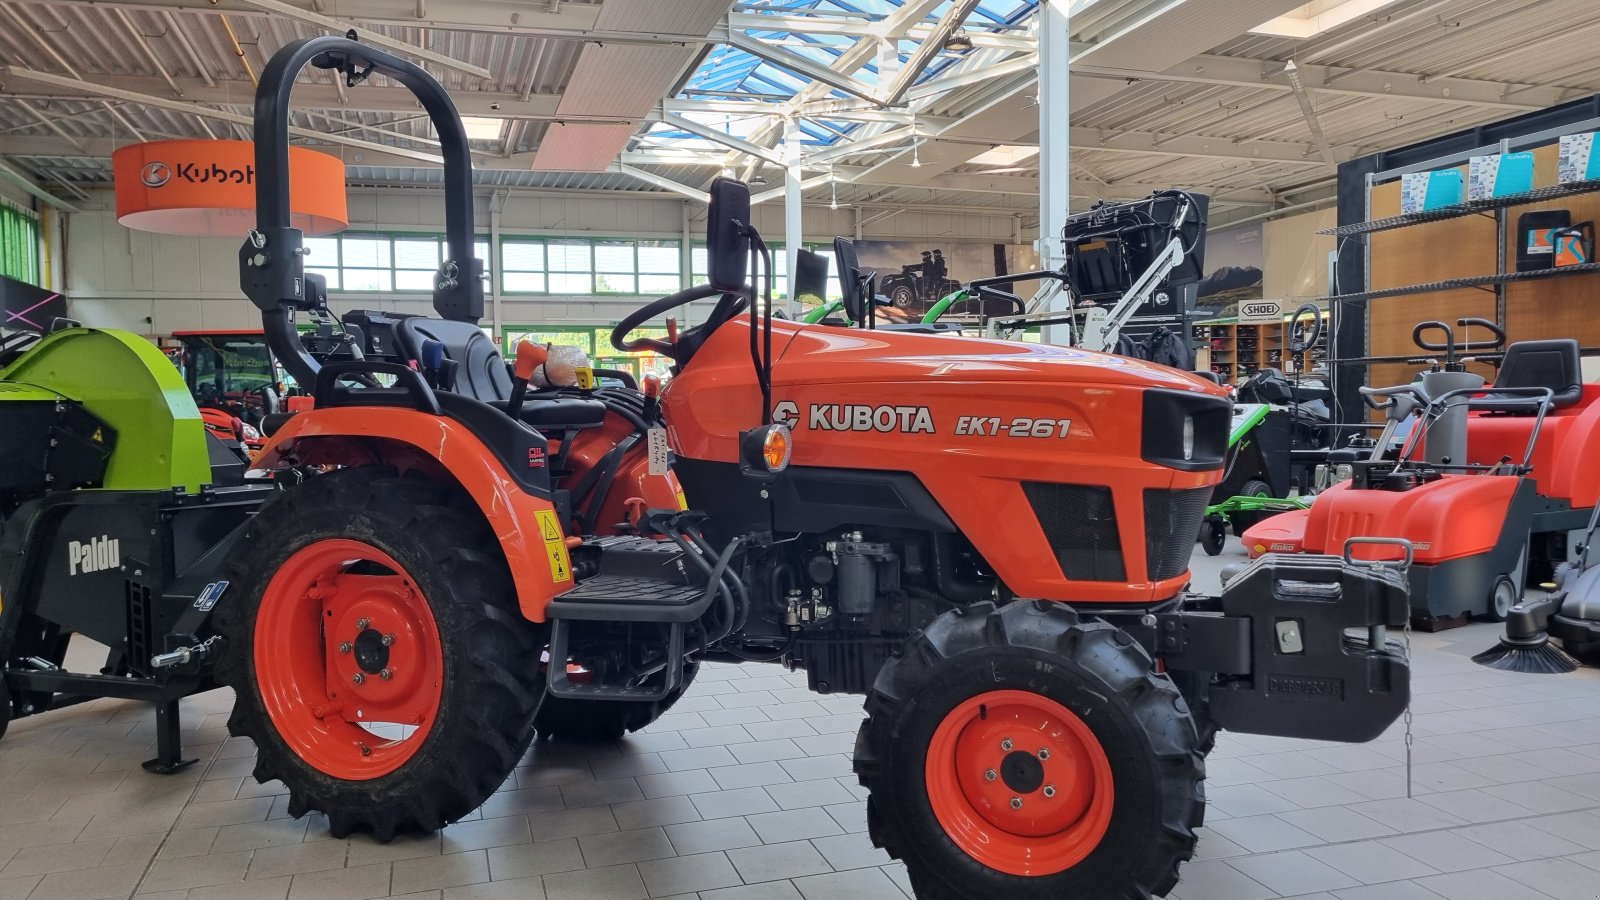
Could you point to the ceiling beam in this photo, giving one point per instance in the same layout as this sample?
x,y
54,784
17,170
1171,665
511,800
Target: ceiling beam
x,y
723,138
206,112
1018,41
569,21
801,65
923,55
379,39
21,180
1257,74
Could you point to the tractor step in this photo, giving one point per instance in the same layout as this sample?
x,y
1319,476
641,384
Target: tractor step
x,y
626,598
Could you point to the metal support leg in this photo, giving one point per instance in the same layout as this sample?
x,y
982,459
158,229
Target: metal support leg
x,y
169,742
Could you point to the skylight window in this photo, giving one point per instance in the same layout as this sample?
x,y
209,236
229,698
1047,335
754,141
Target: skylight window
x,y
1004,155
1318,17
482,128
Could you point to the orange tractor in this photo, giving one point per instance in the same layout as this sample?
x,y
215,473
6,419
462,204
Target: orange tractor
x,y
988,539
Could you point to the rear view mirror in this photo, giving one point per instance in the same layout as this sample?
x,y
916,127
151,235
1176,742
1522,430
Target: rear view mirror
x,y
810,278
727,235
844,253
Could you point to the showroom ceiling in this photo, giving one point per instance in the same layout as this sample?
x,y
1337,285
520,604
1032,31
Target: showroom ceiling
x,y
1250,100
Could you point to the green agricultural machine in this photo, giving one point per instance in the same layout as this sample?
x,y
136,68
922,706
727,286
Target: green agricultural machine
x,y
117,509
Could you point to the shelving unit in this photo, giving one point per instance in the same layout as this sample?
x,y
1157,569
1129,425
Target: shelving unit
x,y
1459,261
1236,351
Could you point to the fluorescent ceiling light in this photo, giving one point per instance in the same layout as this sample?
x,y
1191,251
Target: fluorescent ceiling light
x,y
482,128
1004,155
1319,16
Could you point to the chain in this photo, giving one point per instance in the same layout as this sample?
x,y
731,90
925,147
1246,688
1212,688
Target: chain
x,y
1410,738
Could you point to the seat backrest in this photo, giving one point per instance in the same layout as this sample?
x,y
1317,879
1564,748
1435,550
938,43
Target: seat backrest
x,y
1553,364
480,369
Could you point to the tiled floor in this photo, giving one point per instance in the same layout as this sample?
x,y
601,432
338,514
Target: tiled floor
x,y
744,792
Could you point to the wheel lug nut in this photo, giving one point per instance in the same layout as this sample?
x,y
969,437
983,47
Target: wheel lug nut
x,y
1044,753
1006,745
1049,790
344,647
358,678
365,750
363,623
990,775
1016,802
388,639
385,674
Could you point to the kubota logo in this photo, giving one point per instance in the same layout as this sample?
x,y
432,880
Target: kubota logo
x,y
95,555
158,174
155,174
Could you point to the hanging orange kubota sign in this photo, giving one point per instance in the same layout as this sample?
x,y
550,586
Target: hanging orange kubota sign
x,y
208,188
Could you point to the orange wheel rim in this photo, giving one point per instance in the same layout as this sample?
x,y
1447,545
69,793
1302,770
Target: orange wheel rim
x,y
1019,783
348,659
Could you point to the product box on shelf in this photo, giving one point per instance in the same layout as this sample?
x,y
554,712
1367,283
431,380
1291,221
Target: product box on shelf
x,y
1577,160
1423,191
1499,175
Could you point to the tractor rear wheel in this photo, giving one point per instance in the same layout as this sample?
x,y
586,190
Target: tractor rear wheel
x,y
603,721
377,654
5,704
1023,752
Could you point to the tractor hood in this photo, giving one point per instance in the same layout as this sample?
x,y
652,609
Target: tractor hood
x,y
821,354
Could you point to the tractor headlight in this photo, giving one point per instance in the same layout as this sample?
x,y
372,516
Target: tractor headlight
x,y
1188,437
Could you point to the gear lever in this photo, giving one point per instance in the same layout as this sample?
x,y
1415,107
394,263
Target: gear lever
x,y
530,356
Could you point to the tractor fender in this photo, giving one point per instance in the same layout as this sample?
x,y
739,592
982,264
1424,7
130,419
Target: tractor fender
x,y
525,523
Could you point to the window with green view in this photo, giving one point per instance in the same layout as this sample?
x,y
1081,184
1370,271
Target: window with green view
x,y
19,244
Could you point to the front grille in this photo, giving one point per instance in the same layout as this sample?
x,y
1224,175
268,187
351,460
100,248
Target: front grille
x,y
1080,523
1171,523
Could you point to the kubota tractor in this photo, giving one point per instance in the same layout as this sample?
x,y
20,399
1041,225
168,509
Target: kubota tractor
x,y
988,539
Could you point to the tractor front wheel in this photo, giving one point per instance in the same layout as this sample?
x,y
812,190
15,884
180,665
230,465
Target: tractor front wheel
x,y
377,655
1213,534
1023,752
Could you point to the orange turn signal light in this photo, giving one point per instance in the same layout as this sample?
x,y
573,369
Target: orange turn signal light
x,y
766,450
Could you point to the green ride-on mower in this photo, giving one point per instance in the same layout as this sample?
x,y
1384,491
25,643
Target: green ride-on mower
x,y
117,509
987,539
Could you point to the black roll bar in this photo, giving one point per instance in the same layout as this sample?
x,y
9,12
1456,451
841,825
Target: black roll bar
x,y
272,260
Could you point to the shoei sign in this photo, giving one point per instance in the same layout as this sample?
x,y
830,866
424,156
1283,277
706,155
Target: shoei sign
x,y
1260,311
204,188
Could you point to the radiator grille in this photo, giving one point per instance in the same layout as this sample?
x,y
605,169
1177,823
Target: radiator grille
x,y
1171,524
1080,523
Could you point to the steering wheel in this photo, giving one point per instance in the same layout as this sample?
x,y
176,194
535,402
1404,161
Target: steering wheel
x,y
656,307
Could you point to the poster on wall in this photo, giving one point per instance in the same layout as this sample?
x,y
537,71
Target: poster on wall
x,y
914,275
1236,257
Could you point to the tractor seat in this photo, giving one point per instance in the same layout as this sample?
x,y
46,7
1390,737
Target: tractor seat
x,y
1553,364
481,374
480,370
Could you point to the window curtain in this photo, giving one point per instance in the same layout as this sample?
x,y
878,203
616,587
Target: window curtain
x,y
19,244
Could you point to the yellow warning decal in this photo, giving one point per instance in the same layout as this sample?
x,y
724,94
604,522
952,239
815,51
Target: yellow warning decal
x,y
560,568
549,525
683,502
555,545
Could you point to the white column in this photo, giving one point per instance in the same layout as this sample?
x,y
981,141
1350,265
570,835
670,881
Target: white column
x,y
1055,173
793,227
497,202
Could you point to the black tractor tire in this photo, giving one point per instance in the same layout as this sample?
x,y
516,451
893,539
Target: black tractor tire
x,y
1213,535
1196,690
603,721
1045,652
5,705
1255,487
491,682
